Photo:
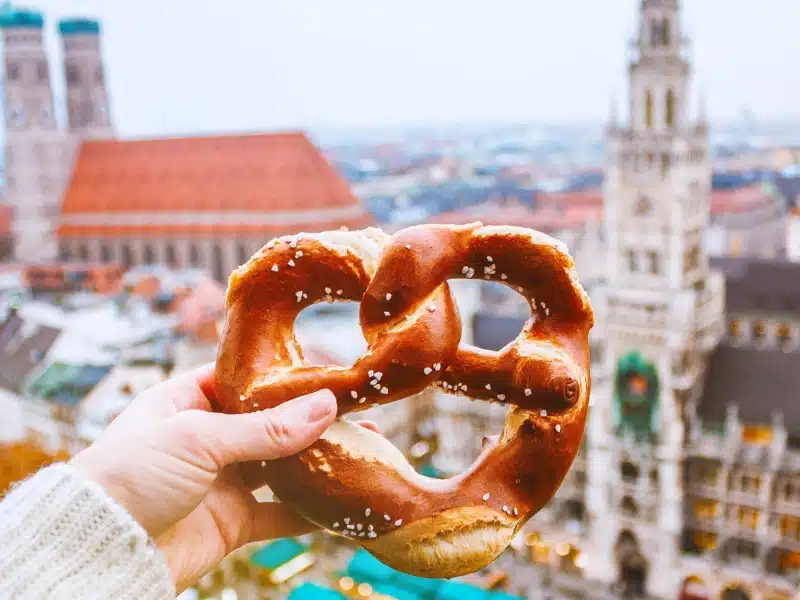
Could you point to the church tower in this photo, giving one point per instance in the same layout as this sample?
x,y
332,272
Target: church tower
x,y
88,112
35,165
661,313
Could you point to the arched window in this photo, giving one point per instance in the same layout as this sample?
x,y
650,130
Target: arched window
x,y
648,109
629,472
194,255
628,507
670,108
127,257
149,255
665,32
655,33
219,266
169,250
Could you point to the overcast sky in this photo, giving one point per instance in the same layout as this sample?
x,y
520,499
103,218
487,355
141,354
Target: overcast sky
x,y
181,66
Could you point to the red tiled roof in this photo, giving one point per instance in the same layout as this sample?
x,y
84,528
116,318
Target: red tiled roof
x,y
268,183
592,197
738,200
545,220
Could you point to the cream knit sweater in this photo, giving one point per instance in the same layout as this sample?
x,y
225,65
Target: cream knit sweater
x,y
63,537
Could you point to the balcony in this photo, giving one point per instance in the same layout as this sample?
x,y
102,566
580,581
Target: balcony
x,y
710,445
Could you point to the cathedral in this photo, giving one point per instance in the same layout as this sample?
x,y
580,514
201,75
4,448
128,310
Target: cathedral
x,y
78,193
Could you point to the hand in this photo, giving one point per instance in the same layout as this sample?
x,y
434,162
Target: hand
x,y
181,470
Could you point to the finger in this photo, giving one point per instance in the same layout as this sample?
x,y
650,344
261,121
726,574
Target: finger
x,y
371,425
273,520
192,390
265,435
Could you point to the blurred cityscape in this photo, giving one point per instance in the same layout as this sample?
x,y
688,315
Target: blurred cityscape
x,y
686,234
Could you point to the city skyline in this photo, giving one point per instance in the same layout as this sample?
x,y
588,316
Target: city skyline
x,y
174,71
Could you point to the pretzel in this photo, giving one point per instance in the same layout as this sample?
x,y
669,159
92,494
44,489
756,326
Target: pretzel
x,y
353,481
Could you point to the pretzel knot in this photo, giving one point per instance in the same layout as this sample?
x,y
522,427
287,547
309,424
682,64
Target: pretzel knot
x,y
354,481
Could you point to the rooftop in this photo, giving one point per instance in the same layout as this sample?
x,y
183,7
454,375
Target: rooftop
x,y
759,382
20,17
739,200
79,26
263,184
753,284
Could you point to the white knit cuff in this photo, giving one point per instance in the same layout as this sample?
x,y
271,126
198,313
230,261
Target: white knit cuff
x,y
63,536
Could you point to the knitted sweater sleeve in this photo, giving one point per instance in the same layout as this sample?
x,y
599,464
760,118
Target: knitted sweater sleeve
x,y
62,536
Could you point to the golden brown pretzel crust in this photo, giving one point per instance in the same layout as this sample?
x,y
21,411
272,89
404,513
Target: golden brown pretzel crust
x,y
353,481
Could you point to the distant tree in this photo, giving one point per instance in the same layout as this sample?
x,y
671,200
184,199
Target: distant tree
x,y
20,459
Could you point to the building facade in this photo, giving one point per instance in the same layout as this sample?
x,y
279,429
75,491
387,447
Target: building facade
x,y
39,153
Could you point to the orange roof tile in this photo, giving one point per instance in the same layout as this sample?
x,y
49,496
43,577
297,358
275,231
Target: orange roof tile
x,y
738,200
207,185
591,197
545,220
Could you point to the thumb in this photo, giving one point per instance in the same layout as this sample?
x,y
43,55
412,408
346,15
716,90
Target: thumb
x,y
269,434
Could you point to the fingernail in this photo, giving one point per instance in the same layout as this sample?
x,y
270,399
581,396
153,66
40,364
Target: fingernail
x,y
318,405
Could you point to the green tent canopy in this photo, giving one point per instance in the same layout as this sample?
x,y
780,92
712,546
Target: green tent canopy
x,y
396,592
365,567
277,553
312,591
455,590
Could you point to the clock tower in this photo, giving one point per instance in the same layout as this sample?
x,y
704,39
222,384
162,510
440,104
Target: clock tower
x,y
660,313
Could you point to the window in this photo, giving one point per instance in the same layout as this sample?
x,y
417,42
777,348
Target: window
x,y
83,252
242,253
628,507
784,335
655,266
735,328
655,33
105,253
16,115
648,109
42,72
149,255
45,116
629,472
631,255
789,527
751,484
127,257
706,509
665,163
759,331
665,33
194,255
169,250
219,265
73,75
13,72
670,108
643,206
747,517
